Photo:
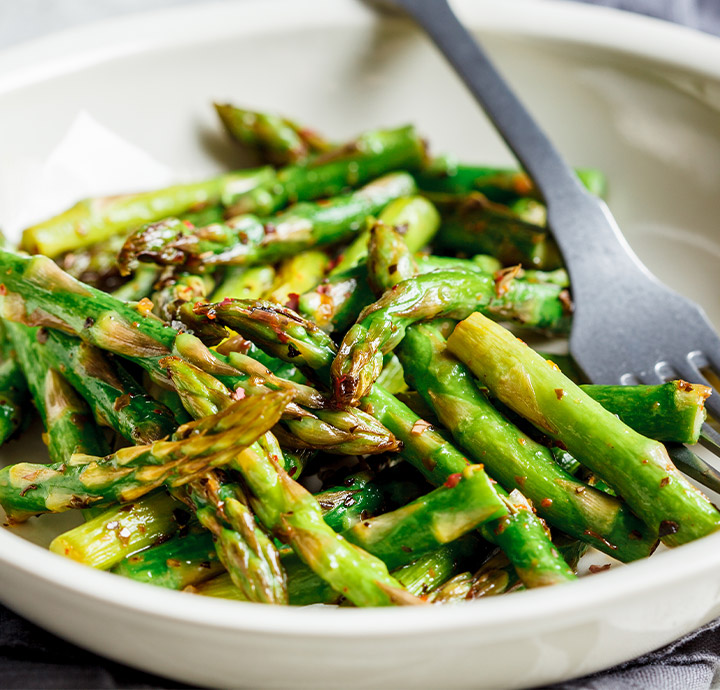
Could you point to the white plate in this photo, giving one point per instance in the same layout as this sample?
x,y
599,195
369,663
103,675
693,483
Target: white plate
x,y
632,96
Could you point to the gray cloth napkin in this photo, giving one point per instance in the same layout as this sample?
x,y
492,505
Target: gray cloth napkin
x,y
32,658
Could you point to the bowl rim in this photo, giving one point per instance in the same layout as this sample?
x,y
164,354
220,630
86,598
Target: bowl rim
x,y
551,20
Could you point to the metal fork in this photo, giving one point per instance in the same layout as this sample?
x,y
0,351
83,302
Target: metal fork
x,y
627,326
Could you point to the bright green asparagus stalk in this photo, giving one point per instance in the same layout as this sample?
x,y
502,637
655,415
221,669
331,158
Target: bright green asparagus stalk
x,y
244,283
128,474
116,399
454,294
344,506
296,275
636,467
433,568
245,550
67,420
480,226
14,394
106,539
519,533
247,239
514,459
669,412
280,330
279,140
417,219
439,517
370,155
390,261
96,220
445,175
175,564
338,300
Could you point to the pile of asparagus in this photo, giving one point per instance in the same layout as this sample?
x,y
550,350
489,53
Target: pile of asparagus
x,y
292,385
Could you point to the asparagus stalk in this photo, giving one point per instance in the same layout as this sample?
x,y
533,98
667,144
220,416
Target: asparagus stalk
x,y
97,220
480,226
637,468
672,412
175,564
454,294
279,140
247,239
296,275
243,547
14,394
357,499
244,283
129,473
116,399
433,568
513,458
67,419
440,517
390,261
445,175
105,540
370,155
415,216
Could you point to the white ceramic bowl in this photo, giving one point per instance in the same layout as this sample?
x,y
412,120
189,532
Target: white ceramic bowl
x,y
632,96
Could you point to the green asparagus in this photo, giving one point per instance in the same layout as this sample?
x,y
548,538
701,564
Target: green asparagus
x,y
637,468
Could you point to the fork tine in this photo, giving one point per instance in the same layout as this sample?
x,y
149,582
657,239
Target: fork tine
x,y
694,467
651,378
710,439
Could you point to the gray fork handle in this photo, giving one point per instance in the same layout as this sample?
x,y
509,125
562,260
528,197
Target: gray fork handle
x,y
521,133
585,231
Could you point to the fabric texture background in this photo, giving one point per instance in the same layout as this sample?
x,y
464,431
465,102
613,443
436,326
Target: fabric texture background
x,y
33,658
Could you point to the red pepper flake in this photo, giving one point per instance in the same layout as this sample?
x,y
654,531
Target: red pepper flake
x,y
293,301
546,502
559,392
664,482
3,290
520,481
453,480
522,441
188,224
599,568
227,300
420,427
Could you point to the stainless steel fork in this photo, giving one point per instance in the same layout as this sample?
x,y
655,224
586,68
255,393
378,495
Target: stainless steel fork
x,y
627,326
